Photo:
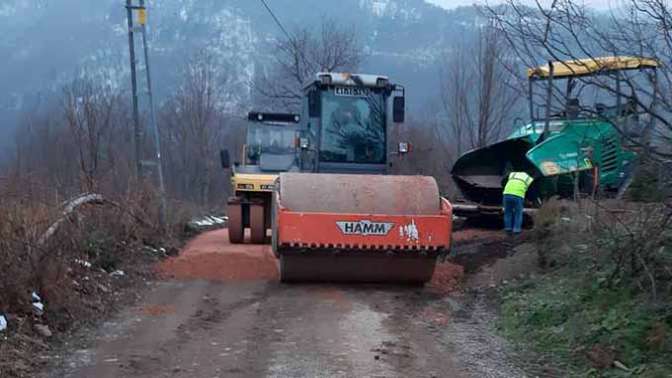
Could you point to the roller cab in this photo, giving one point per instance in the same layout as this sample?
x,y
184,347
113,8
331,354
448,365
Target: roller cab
x,y
337,214
342,217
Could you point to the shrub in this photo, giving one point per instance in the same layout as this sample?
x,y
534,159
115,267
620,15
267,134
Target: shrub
x,y
606,292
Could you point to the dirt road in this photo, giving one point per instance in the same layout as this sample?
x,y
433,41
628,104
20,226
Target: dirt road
x,y
220,312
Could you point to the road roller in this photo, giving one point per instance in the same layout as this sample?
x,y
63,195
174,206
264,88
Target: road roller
x,y
270,148
337,214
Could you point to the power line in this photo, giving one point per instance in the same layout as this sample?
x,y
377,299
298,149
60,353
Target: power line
x,y
290,39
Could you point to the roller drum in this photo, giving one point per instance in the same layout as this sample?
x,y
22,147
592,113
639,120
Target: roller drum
x,y
356,194
359,194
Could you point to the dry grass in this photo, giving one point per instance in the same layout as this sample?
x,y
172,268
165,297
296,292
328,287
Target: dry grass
x,y
110,235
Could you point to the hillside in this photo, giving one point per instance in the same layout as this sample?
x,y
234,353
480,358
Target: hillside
x,y
48,43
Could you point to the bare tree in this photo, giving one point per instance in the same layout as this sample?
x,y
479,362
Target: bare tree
x,y
193,126
74,140
297,58
455,83
477,95
81,139
89,110
429,155
43,153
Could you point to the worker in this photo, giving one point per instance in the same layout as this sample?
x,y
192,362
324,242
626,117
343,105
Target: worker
x,y
346,130
514,201
347,118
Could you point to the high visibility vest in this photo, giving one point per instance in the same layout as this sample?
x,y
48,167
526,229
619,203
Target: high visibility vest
x,y
518,184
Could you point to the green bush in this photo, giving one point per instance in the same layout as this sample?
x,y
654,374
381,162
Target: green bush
x,y
648,184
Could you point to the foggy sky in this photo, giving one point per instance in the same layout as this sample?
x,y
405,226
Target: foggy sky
x,y
598,4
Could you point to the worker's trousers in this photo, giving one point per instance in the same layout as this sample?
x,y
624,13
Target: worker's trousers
x,y
513,213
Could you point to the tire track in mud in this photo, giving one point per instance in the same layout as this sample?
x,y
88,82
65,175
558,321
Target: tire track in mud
x,y
413,351
207,318
300,339
478,348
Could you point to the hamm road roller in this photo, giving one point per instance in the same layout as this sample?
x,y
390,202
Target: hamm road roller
x,y
338,215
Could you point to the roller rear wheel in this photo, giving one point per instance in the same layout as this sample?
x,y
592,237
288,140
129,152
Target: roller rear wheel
x,y
235,224
257,224
310,267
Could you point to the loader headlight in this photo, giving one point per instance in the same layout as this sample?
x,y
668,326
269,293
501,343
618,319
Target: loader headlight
x,y
268,187
245,186
325,79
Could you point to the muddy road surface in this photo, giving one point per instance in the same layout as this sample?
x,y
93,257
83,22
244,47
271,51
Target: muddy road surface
x,y
220,311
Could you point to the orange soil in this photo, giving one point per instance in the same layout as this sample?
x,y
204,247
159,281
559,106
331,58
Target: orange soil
x,y
447,278
210,256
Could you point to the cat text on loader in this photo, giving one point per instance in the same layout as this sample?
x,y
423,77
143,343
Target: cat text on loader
x,y
342,218
270,148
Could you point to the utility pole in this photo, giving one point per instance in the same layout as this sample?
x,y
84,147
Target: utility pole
x,y
154,124
134,84
142,22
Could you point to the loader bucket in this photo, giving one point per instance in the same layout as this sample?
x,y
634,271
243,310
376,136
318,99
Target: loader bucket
x,y
479,173
359,228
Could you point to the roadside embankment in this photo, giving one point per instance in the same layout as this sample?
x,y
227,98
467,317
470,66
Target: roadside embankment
x,y
598,301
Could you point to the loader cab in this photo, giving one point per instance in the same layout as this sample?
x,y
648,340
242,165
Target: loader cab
x,y
271,142
347,125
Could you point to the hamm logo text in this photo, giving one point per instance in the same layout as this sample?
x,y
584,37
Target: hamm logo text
x,y
365,227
